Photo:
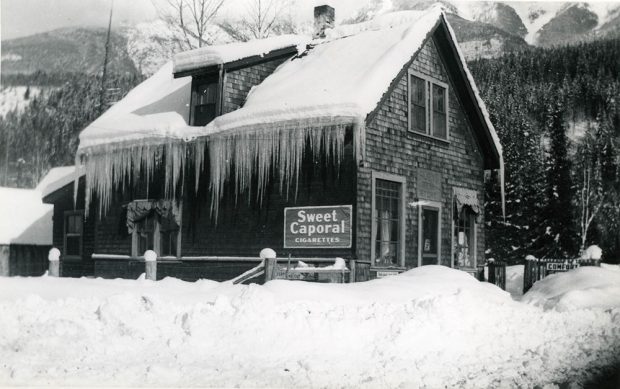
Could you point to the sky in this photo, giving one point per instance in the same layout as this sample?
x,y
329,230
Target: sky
x,y
26,17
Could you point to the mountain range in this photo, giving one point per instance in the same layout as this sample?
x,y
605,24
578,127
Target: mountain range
x,y
484,29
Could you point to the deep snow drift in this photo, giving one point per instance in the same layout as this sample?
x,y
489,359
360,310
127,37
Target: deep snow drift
x,y
429,327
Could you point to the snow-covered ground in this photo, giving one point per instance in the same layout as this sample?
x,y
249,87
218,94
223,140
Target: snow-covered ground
x,y
430,327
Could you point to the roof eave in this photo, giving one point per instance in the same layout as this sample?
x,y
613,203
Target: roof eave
x,y
240,63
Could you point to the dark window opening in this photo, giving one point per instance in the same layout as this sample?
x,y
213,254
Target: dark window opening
x,y
204,101
74,221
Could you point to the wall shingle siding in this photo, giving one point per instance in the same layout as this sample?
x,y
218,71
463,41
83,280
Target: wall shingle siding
x,y
391,148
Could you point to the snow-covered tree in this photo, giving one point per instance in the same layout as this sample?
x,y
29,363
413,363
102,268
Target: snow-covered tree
x,y
192,22
260,19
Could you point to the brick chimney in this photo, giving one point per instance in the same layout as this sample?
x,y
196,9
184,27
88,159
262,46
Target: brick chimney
x,y
324,17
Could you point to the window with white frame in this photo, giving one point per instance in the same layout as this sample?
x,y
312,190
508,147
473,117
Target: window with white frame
x,y
73,233
387,221
428,106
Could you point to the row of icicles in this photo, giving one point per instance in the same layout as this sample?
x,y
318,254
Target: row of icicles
x,y
243,159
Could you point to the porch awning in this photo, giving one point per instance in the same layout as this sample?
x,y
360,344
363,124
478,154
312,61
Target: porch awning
x,y
469,197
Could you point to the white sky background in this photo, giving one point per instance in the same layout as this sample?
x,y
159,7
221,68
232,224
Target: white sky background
x,y
26,17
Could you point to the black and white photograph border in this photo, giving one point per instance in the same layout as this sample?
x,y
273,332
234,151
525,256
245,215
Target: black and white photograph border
x,y
310,193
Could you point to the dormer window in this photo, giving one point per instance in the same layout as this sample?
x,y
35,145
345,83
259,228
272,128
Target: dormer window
x,y
204,100
428,106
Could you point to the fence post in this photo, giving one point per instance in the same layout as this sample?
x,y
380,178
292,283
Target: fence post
x,y
150,263
530,271
353,270
54,266
270,258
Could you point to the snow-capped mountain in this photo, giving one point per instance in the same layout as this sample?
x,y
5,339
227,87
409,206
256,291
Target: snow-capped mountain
x,y
542,23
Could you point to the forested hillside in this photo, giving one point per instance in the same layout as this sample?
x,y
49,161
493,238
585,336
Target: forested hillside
x,y
45,133
556,112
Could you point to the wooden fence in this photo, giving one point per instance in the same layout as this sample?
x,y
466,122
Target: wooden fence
x,y
537,269
497,274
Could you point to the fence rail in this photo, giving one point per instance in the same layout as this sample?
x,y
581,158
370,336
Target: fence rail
x,y
537,269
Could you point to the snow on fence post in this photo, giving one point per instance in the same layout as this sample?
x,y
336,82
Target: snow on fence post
x,y
530,272
271,262
150,263
54,266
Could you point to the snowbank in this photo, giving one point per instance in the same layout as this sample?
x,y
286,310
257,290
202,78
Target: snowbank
x,y
429,327
514,280
24,219
585,287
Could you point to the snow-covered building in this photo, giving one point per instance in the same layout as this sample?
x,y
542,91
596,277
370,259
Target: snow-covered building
x,y
25,232
366,142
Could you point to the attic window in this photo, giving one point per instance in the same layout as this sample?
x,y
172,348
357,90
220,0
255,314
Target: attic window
x,y
428,106
204,100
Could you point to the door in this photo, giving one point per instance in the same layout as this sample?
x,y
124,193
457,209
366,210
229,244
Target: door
x,y
429,237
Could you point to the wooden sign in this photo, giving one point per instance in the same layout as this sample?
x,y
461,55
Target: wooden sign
x,y
383,273
429,185
318,227
561,267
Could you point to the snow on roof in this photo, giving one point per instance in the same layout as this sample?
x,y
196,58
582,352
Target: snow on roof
x,y
156,109
24,219
338,78
217,55
56,178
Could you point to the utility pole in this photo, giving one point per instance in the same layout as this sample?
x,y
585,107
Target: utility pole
x,y
6,155
105,63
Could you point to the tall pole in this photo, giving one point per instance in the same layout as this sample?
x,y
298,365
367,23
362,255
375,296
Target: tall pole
x,y
105,62
6,155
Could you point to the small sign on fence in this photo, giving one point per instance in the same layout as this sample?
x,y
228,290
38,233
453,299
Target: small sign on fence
x,y
383,273
318,227
559,267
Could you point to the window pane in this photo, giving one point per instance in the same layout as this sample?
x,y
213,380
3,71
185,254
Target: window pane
x,y
439,98
168,243
429,221
439,112
464,239
387,222
74,224
206,93
73,245
439,125
418,104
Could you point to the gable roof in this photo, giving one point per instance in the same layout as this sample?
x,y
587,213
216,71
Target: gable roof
x,y
336,83
26,220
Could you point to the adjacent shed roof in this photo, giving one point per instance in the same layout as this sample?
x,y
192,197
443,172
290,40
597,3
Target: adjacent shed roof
x,y
57,178
24,219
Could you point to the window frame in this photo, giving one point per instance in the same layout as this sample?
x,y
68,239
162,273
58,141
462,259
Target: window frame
x,y
430,109
157,238
65,234
213,78
435,205
474,229
402,216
